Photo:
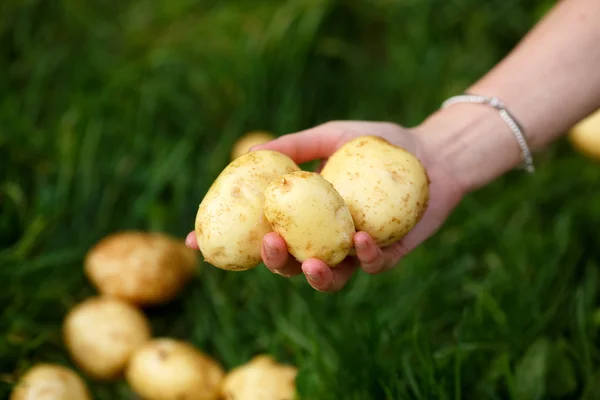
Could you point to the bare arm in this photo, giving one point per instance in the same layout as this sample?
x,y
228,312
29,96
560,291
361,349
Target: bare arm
x,y
549,82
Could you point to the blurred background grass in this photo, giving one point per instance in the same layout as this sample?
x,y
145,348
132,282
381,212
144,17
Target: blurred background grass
x,y
120,114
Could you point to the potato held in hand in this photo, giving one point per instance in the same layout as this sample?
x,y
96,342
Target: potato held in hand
x,y
144,268
101,334
385,187
50,382
169,369
230,223
311,216
260,379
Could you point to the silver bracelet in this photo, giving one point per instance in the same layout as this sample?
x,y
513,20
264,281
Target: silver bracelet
x,y
514,126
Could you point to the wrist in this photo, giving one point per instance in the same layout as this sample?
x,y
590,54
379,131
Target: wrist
x,y
470,141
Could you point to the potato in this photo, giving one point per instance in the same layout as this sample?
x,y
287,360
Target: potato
x,y
249,140
48,381
311,216
585,136
260,379
101,333
144,268
385,187
230,223
170,369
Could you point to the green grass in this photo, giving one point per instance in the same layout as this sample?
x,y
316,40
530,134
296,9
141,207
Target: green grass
x,y
118,115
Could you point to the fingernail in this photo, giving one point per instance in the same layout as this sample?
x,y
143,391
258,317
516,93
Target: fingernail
x,y
271,250
314,277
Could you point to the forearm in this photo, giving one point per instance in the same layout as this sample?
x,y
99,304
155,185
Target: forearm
x,y
549,82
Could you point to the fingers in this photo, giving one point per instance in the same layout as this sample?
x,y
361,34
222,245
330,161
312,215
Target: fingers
x,y
325,279
323,140
318,274
311,144
273,251
374,260
276,257
190,241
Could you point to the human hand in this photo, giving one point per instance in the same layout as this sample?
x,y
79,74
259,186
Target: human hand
x,y
319,143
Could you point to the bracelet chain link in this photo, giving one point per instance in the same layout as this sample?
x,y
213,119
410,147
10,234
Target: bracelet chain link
x,y
506,116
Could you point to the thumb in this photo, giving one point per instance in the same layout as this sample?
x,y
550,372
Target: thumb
x,y
311,144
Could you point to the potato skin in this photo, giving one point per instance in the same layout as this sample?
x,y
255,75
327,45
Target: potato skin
x,y
101,333
249,140
311,216
385,187
46,381
230,222
170,369
260,379
144,268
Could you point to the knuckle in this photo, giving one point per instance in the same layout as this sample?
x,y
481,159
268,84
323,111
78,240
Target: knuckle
x,y
372,257
369,255
322,288
275,265
373,268
336,283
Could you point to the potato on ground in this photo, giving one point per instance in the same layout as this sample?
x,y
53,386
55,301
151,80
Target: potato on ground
x,y
48,381
249,140
230,222
101,334
170,369
262,378
585,136
145,268
311,216
385,187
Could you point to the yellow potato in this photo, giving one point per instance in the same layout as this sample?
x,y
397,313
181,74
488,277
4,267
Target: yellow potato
x,y
260,379
385,187
230,223
585,136
143,268
249,140
101,333
169,369
50,382
311,216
